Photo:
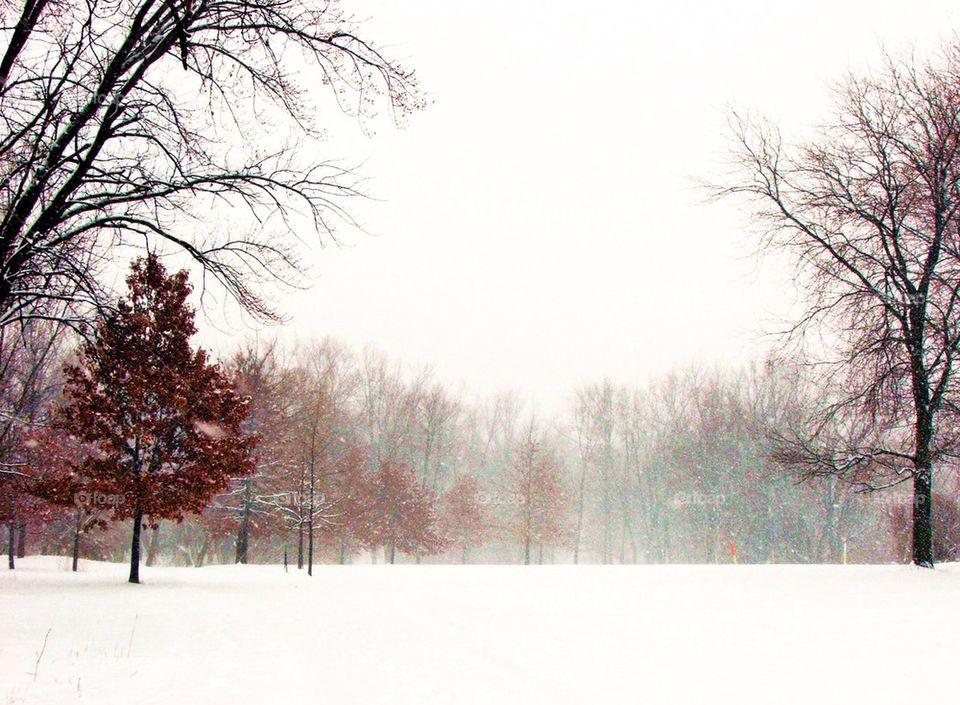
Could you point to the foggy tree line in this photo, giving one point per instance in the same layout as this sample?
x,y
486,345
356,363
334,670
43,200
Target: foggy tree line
x,y
362,459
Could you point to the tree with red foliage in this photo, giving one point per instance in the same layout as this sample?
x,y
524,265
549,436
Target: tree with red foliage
x,y
463,519
540,500
20,505
400,515
52,455
216,531
349,491
165,422
17,506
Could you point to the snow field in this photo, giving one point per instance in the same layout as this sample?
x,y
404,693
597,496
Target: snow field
x,y
476,634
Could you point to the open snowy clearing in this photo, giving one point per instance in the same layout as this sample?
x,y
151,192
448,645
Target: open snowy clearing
x,y
445,634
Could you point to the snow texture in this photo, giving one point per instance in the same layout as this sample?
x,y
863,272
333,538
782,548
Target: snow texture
x,y
492,634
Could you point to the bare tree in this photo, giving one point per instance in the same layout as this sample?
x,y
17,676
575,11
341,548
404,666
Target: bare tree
x,y
322,440
594,421
387,409
123,122
29,379
870,210
260,373
437,416
539,508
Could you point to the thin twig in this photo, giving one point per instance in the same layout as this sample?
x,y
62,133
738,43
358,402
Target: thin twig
x,y
43,648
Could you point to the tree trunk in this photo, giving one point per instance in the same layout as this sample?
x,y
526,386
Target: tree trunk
x,y
526,551
154,546
22,539
313,509
135,545
580,489
11,543
922,517
204,547
606,510
310,548
300,546
243,534
77,527
923,481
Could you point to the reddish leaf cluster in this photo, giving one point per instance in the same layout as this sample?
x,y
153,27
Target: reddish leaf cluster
x,y
396,513
165,423
541,505
463,517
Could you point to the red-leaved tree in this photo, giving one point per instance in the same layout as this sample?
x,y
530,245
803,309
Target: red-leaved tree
x,y
165,421
400,515
463,517
75,499
17,505
540,506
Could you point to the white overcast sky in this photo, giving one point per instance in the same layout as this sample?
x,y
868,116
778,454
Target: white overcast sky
x,y
539,226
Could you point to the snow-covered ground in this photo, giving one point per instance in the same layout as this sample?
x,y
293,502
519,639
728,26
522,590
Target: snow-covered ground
x,y
445,634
